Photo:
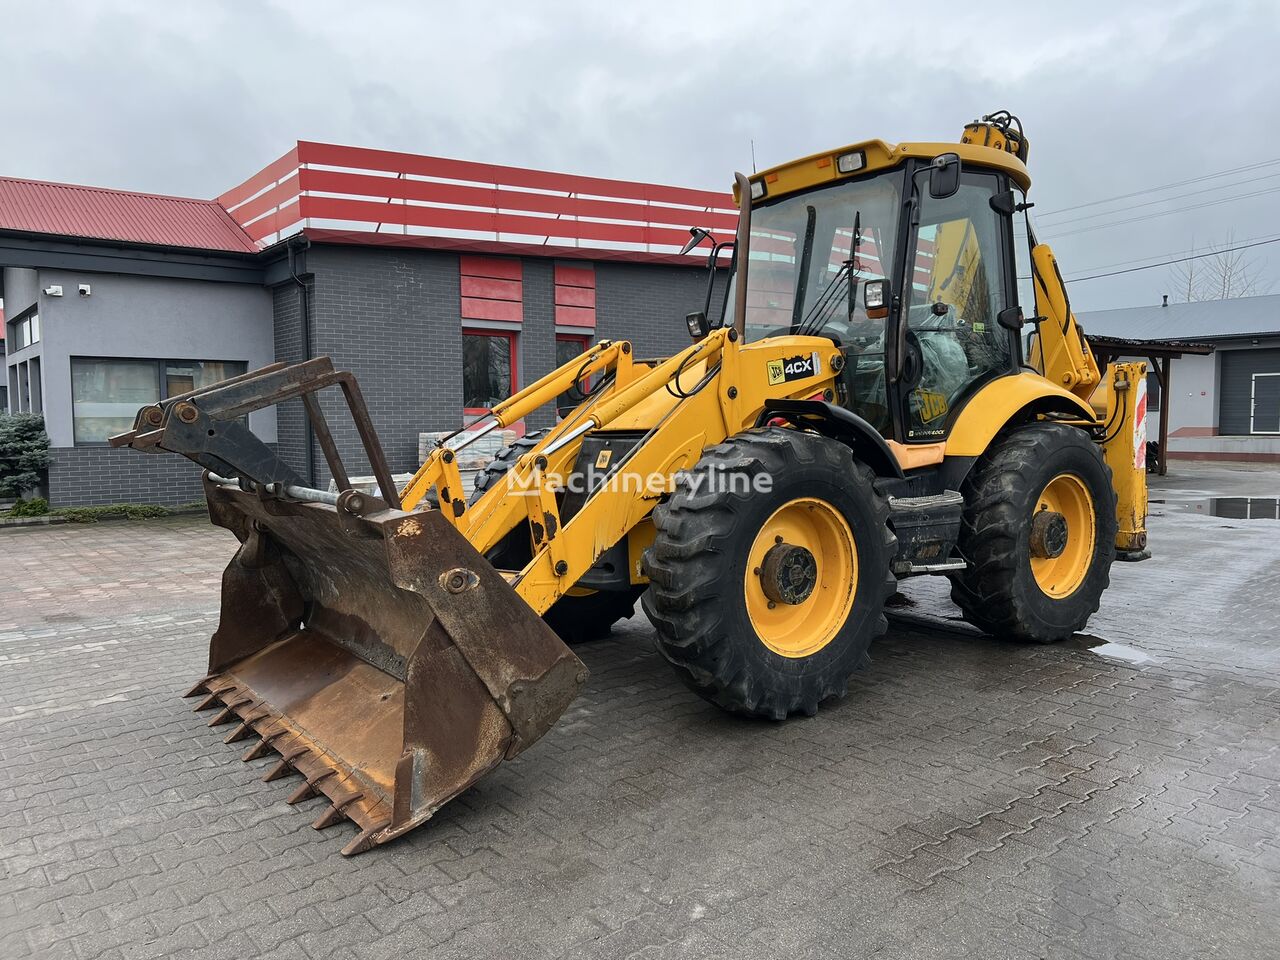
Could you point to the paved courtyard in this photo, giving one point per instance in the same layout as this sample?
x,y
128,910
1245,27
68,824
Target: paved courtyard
x,y
1116,796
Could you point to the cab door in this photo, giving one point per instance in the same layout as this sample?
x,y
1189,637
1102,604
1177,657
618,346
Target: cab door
x,y
959,279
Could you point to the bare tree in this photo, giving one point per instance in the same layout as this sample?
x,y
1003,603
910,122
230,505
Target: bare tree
x,y
1221,275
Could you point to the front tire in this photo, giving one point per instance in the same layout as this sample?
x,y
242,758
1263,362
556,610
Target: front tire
x,y
1033,577
765,598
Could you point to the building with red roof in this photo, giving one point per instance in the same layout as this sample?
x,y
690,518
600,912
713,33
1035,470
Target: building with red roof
x,y
443,284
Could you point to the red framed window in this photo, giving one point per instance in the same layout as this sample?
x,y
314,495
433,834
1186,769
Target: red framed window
x,y
489,372
568,346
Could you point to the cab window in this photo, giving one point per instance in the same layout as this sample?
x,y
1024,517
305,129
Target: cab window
x,y
957,288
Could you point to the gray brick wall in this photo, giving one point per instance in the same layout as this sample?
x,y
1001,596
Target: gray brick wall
x,y
290,419
392,317
98,476
646,304
538,333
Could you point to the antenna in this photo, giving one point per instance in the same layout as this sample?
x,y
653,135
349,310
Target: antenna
x,y
753,155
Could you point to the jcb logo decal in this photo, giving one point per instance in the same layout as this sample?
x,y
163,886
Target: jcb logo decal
x,y
932,405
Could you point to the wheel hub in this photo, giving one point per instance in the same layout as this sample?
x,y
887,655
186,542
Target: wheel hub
x,y
1048,534
789,574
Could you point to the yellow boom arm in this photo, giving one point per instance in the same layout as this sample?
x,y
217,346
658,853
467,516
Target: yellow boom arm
x,y
709,391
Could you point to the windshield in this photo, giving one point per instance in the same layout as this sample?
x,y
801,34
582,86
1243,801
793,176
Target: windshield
x,y
800,257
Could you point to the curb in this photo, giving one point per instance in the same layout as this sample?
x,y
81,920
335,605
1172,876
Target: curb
x,y
17,523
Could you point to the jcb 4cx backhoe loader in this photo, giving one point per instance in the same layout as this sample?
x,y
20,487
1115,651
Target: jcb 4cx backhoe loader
x,y
863,412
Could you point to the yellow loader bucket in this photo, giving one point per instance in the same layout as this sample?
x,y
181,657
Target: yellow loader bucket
x,y
374,650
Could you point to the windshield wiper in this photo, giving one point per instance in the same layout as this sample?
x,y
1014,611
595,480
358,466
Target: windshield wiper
x,y
823,307
806,258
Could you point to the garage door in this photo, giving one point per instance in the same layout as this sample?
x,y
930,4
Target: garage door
x,y
1250,394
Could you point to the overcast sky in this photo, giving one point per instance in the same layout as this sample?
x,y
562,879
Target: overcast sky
x,y
1116,97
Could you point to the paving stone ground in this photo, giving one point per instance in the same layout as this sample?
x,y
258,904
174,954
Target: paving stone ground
x,y
969,797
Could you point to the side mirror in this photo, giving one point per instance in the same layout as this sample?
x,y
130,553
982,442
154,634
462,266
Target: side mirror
x,y
1010,318
696,236
876,297
944,176
698,326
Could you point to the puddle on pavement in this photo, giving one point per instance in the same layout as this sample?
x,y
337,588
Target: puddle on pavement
x,y
1105,648
1231,508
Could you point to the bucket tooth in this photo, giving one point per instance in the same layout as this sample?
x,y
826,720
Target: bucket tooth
x,y
304,792
225,715
365,841
286,764
282,769
336,813
310,788
239,733
229,712
262,747
208,703
199,688
329,818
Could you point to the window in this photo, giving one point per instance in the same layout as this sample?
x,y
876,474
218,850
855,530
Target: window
x,y
488,368
957,290
1153,392
106,393
568,347
24,331
34,385
183,376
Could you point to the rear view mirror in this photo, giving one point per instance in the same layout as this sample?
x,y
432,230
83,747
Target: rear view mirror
x,y
944,176
696,236
1010,318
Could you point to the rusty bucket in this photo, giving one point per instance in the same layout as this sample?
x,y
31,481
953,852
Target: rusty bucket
x,y
378,654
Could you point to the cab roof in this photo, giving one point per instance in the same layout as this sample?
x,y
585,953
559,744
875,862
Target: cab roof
x,y
819,168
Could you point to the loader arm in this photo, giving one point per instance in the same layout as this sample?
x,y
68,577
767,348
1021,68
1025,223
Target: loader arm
x,y
709,391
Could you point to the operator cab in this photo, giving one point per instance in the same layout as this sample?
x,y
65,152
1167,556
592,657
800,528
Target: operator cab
x,y
927,241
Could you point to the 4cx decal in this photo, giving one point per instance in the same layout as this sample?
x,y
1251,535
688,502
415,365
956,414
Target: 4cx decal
x,y
794,368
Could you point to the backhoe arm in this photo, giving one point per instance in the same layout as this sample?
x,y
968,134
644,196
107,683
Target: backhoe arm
x,y
1059,350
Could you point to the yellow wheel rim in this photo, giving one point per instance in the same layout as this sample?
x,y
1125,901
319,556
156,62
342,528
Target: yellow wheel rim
x,y
1060,576
801,629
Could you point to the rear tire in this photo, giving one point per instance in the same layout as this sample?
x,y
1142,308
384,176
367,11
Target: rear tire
x,y
714,553
1007,591
574,618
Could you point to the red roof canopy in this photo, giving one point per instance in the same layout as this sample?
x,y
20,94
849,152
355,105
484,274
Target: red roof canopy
x,y
357,195
98,214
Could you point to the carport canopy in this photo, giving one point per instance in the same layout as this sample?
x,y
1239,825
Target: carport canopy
x,y
1159,355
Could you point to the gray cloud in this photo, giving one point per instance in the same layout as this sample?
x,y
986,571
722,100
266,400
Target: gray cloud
x,y
1117,97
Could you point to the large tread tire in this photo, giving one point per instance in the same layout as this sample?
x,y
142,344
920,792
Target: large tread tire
x,y
697,564
574,618
580,618
998,592
504,460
